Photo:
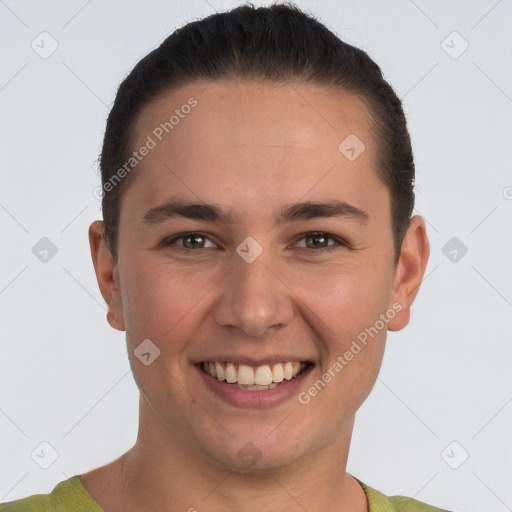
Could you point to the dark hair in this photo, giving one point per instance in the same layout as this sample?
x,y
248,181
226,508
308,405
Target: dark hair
x,y
268,44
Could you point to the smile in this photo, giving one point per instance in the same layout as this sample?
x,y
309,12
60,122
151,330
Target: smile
x,y
254,378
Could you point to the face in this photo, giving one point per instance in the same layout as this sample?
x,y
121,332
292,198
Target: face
x,y
253,280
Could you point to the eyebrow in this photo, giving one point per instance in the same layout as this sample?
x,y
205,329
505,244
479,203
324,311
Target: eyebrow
x,y
175,207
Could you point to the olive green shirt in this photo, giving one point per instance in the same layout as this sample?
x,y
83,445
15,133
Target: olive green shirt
x,y
71,496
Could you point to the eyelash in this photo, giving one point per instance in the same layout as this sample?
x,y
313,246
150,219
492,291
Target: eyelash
x,y
339,242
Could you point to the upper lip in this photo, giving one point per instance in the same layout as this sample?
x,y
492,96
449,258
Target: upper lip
x,y
250,361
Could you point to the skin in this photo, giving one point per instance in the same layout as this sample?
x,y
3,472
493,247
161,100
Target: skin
x,y
251,149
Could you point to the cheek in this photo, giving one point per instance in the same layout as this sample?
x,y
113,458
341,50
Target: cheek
x,y
345,300
158,300
344,309
160,304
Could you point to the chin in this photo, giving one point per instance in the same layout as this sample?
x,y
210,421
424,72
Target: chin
x,y
258,452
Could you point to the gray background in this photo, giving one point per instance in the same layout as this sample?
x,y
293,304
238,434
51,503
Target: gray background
x,y
447,377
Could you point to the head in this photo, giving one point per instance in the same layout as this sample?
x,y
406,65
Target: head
x,y
243,115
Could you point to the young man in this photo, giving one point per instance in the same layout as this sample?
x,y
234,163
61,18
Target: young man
x,y
258,189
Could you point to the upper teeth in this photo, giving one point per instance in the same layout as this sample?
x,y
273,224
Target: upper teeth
x,y
261,375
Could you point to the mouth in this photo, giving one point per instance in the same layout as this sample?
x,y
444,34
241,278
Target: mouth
x,y
255,378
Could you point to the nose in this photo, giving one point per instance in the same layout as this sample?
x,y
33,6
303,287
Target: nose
x,y
254,298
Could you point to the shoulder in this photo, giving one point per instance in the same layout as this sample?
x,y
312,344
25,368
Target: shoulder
x,y
379,502
66,495
35,503
411,505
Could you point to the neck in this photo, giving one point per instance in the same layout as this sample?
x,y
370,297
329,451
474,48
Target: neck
x,y
164,469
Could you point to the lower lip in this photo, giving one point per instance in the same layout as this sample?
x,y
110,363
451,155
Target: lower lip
x,y
255,399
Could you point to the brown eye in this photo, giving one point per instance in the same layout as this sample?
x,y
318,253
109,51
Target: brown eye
x,y
189,241
314,241
320,240
193,241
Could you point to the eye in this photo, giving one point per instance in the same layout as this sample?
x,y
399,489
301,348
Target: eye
x,y
189,241
319,240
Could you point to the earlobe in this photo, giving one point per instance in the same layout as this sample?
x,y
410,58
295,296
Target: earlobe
x,y
409,272
106,275
113,321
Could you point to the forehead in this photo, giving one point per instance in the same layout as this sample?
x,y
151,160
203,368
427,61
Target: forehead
x,y
233,140
225,111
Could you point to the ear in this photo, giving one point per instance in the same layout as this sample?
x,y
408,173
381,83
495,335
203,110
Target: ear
x,y
409,272
106,274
